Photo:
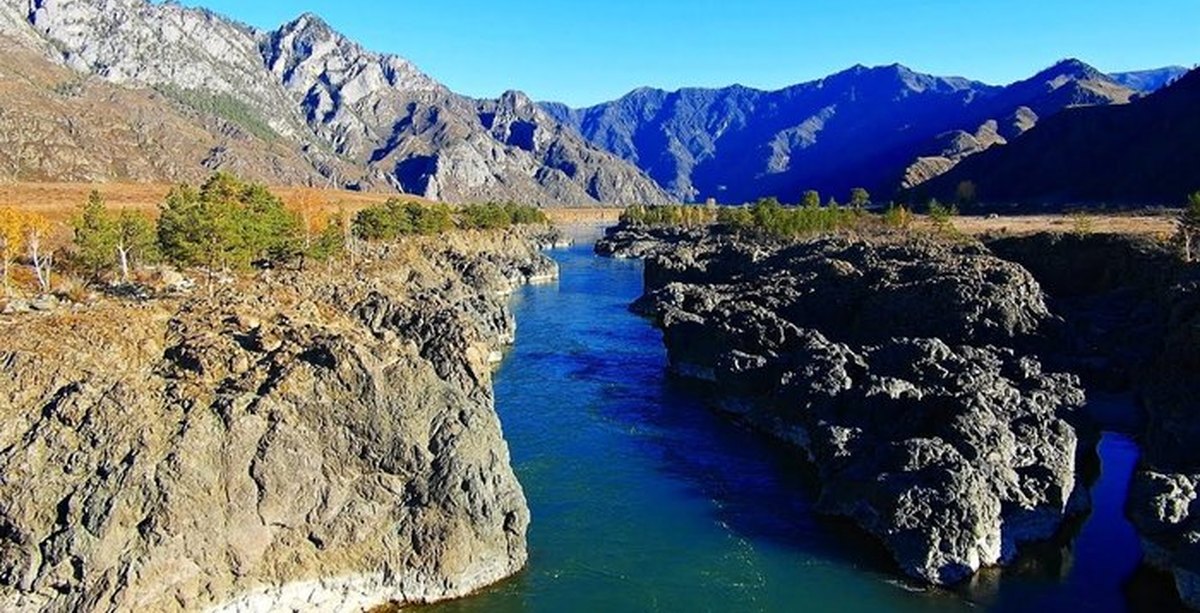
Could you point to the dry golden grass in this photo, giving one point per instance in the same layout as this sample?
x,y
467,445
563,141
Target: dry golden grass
x,y
1132,224
59,201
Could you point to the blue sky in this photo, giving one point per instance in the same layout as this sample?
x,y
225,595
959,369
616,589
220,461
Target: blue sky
x,y
584,52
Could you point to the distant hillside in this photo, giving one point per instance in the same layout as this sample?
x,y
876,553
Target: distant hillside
x,y
1145,152
874,127
134,90
1149,81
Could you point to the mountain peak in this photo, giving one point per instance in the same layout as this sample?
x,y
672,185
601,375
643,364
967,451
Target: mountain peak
x,y
515,100
1070,68
309,23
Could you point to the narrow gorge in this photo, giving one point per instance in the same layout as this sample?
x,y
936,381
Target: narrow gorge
x,y
938,387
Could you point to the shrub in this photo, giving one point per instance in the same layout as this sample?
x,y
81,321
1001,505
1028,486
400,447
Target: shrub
x,y
942,216
898,217
329,242
1082,224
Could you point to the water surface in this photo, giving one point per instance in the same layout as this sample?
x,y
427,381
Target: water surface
x,y
642,500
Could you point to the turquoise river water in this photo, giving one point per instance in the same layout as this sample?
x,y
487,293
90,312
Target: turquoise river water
x,y
643,500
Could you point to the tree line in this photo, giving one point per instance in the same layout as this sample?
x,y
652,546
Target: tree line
x,y
770,217
227,224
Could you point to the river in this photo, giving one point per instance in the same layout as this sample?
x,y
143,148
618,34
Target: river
x,y
642,500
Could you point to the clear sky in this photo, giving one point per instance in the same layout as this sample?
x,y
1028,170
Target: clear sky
x,y
587,51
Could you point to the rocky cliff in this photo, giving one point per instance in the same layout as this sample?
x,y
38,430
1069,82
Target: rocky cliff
x,y
896,367
301,104
323,440
1132,311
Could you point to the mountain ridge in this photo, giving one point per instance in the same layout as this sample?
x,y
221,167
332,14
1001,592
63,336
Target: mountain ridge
x,y
1144,152
351,117
678,147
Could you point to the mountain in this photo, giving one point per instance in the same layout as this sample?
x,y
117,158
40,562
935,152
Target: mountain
x,y
1149,81
874,127
1145,152
1013,110
301,104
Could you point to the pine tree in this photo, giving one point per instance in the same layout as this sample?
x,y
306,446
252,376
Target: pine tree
x,y
95,236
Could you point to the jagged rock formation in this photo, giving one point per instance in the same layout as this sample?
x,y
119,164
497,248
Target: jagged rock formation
x,y
56,125
1141,153
861,127
302,104
308,441
894,368
1132,312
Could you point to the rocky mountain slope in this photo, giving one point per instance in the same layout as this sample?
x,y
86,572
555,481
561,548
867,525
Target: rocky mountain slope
x,y
826,345
872,127
1145,152
58,125
299,104
1149,81
308,441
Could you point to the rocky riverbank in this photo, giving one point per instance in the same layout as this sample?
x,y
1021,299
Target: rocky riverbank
x,y
1132,312
896,367
906,372
318,440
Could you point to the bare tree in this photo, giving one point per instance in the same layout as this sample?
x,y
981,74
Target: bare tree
x,y
36,228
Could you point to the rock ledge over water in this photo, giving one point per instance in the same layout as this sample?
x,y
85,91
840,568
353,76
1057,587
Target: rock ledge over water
x,y
308,441
895,367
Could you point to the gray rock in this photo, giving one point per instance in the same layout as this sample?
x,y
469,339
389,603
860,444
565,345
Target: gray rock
x,y
354,117
880,362
299,443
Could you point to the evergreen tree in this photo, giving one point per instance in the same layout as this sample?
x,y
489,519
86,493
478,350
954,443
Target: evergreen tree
x,y
227,224
95,236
